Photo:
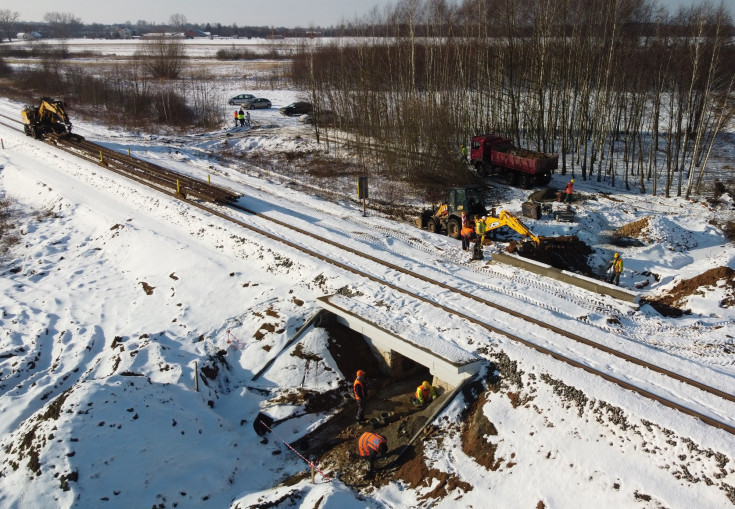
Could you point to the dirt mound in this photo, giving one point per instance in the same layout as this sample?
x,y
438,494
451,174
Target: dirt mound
x,y
417,474
545,194
634,229
565,253
670,304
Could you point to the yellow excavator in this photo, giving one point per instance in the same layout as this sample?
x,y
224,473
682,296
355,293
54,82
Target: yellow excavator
x,y
505,218
48,117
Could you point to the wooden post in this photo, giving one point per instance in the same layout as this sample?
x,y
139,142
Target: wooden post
x,y
312,473
196,377
178,188
362,193
2,143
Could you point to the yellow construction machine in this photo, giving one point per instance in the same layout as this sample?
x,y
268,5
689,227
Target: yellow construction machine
x,y
505,218
48,117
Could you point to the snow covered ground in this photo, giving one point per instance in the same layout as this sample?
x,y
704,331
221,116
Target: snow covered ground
x,y
115,293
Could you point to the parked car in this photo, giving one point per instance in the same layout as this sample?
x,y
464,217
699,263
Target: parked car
x,y
297,108
240,99
325,117
257,103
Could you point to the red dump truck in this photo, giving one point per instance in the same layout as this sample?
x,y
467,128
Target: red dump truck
x,y
494,155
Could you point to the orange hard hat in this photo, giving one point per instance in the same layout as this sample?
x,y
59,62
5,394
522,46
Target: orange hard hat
x,y
360,373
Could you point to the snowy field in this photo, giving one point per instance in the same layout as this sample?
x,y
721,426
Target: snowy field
x,y
115,293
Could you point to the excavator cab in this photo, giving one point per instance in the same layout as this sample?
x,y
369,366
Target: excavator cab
x,y
470,200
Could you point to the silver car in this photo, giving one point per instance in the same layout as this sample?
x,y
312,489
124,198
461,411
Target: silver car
x,y
240,99
256,103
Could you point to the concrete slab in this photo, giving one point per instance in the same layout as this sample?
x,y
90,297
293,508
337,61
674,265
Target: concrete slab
x,y
447,362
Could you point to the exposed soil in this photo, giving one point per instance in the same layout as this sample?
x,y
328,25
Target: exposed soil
x,y
634,229
417,474
671,303
475,432
565,253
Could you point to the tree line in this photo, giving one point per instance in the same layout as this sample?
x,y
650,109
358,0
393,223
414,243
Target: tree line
x,y
622,90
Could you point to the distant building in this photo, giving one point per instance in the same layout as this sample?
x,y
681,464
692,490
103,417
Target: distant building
x,y
193,33
28,36
122,33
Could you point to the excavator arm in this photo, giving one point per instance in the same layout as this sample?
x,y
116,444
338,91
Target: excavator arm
x,y
53,112
505,218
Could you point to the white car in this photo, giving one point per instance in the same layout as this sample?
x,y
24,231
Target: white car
x,y
241,99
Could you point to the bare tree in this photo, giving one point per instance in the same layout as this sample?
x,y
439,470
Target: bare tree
x,y
177,22
63,24
162,57
7,22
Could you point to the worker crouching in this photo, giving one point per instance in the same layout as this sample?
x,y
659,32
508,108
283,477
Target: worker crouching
x,y
425,394
372,446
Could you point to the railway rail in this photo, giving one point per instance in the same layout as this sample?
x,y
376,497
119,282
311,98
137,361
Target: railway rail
x,y
222,203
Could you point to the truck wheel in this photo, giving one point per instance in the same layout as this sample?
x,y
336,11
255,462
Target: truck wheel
x,y
432,226
525,181
481,170
453,229
27,130
510,177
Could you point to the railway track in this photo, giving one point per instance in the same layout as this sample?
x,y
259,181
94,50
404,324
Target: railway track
x,y
222,203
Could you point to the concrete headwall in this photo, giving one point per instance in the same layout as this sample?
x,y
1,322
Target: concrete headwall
x,y
395,350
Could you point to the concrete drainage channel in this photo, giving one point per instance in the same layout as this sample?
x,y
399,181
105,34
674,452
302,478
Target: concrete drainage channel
x,y
593,285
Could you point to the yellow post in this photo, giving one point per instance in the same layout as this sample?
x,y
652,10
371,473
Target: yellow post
x,y
128,151
102,161
209,179
312,473
178,187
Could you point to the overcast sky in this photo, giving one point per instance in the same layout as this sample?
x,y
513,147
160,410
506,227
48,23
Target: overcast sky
x,y
287,13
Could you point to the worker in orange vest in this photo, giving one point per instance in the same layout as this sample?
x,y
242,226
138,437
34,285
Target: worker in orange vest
x,y
372,446
358,388
466,232
569,191
236,119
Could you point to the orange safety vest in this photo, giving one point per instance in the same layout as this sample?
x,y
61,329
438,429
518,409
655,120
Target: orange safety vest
x,y
362,389
369,444
570,186
425,394
618,265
